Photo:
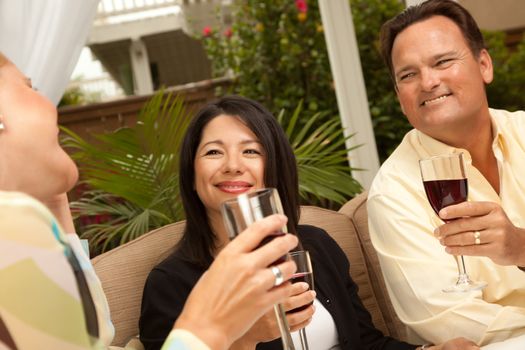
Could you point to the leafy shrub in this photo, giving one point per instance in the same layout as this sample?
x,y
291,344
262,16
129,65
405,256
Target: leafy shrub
x,y
277,52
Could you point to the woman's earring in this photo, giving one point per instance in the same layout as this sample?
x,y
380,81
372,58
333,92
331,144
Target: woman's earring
x,y
2,126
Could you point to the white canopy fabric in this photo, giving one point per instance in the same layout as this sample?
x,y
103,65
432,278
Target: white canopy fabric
x,y
44,39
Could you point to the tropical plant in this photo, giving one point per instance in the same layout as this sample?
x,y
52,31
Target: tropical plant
x,y
132,173
76,96
321,158
506,89
278,55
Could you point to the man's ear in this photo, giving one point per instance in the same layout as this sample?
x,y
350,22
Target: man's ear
x,y
485,66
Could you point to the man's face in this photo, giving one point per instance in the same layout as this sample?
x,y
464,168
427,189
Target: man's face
x,y
440,83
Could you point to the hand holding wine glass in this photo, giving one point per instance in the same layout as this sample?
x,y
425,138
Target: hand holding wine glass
x,y
244,210
220,313
484,229
446,184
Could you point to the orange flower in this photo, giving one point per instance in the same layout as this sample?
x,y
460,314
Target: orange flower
x,y
301,16
259,27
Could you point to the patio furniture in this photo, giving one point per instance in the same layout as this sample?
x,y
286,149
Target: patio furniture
x,y
123,270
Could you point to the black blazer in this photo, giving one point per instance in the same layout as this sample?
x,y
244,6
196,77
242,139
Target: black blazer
x,y
169,284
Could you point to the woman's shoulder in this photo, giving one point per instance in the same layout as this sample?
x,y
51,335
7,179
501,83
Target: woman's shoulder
x,y
171,281
24,219
316,239
313,235
323,249
18,203
174,266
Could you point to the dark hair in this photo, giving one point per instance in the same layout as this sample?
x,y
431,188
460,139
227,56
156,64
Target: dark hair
x,y
280,171
413,14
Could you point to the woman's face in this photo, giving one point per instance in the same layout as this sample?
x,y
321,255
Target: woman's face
x,y
229,161
31,159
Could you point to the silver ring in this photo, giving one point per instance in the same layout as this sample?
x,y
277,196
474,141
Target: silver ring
x,y
279,279
477,240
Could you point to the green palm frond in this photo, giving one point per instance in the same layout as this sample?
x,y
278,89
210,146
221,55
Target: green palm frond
x,y
133,172
321,156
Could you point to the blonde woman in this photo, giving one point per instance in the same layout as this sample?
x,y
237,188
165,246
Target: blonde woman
x,y
50,297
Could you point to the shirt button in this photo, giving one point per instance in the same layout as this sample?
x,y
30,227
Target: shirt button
x,y
328,301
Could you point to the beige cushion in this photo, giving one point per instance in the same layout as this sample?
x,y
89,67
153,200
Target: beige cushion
x,y
356,211
123,272
341,229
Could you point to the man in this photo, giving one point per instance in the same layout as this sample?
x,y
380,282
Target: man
x,y
439,66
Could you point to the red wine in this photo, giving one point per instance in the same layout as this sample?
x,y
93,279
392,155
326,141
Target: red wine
x,y
307,277
268,239
442,193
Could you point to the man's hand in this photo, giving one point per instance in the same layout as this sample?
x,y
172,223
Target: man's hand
x,y
481,229
456,344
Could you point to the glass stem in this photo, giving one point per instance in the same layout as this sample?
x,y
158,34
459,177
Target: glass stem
x,y
283,327
461,266
304,341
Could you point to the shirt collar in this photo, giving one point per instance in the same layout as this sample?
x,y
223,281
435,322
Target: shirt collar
x,y
434,147
499,144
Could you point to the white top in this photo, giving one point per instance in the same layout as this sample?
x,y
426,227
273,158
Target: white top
x,y
321,333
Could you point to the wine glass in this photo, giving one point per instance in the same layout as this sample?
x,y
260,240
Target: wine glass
x,y
446,184
242,211
304,273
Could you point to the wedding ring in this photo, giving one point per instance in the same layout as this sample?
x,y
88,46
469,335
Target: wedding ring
x,y
477,240
279,279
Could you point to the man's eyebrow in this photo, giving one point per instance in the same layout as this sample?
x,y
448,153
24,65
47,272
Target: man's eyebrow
x,y
403,69
444,54
436,57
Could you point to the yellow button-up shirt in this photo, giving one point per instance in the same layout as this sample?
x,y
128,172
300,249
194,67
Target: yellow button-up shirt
x,y
415,265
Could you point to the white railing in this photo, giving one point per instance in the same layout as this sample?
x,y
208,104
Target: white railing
x,y
109,8
102,88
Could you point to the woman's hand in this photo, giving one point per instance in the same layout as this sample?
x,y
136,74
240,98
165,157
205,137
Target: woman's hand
x,y
266,328
238,288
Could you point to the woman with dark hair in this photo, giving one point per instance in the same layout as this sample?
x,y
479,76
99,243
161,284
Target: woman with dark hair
x,y
198,242
233,146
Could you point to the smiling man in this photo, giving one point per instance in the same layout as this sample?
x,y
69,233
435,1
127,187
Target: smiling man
x,y
440,67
